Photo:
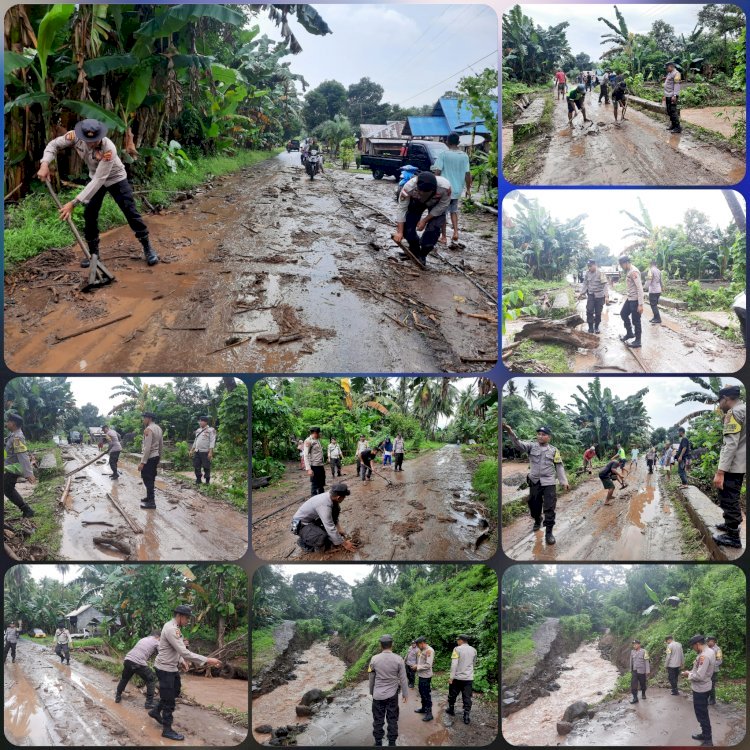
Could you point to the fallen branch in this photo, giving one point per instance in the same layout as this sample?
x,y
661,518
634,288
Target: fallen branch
x,y
477,360
83,466
118,544
11,554
559,332
278,510
478,316
185,328
89,329
133,525
66,490
231,346
279,338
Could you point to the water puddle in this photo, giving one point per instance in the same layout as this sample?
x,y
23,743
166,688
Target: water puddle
x,y
24,717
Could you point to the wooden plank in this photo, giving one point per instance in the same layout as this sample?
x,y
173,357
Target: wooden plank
x,y
89,329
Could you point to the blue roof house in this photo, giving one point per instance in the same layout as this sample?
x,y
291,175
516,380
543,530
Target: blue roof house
x,y
447,117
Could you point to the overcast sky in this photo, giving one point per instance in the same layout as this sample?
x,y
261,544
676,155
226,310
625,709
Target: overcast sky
x,y
350,573
408,49
663,393
50,571
585,31
606,224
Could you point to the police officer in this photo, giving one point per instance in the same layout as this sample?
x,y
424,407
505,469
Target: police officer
x,y
314,460
425,657
202,450
316,522
387,674
153,447
632,309
463,659
398,453
596,291
411,663
11,641
674,662
334,457
17,454
62,642
640,668
700,682
110,436
107,175
171,651
731,469
546,470
672,83
362,445
711,643
136,662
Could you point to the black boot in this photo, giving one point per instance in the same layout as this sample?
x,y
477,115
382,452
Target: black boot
x,y
712,701
635,699
548,538
391,743
628,335
450,711
596,329
27,510
118,697
643,695
635,344
419,711
155,714
149,702
591,329
467,720
537,525
428,717
378,743
170,734
729,539
150,254
698,736
148,504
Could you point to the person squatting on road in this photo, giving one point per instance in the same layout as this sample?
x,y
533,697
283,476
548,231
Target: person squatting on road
x,y
612,471
366,458
316,522
11,641
314,462
732,466
655,289
700,681
596,291
425,657
17,464
674,662
202,450
334,457
577,100
424,192
672,84
633,307
107,173
153,448
136,662
112,439
640,669
387,677
461,681
62,642
172,651
453,164
546,470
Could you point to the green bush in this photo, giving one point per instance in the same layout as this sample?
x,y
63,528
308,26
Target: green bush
x,y
484,483
695,95
576,628
181,456
312,629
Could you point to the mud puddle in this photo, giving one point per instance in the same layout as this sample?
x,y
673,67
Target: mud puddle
x,y
215,691
425,513
590,678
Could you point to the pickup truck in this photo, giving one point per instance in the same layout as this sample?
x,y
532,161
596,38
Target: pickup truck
x,y
421,154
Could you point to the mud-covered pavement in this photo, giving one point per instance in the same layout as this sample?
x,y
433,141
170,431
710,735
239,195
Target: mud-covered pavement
x,y
640,524
426,514
267,271
640,151
186,523
53,704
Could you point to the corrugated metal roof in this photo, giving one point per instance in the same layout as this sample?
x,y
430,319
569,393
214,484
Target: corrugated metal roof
x,y
78,611
458,117
423,126
392,129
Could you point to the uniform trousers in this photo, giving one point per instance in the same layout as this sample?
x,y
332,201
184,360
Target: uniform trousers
x,y
169,690
129,668
148,476
318,480
729,499
700,706
638,679
594,307
422,247
425,693
463,688
630,313
673,111
335,466
382,709
122,192
10,491
9,647
202,465
673,673
653,301
113,458
399,465
543,499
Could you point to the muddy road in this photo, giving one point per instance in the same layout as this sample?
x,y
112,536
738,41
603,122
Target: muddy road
x,y
641,524
639,151
185,522
263,253
426,514
52,704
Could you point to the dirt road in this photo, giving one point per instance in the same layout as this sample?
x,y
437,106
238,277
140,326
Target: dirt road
x,y
427,513
53,704
185,521
265,251
641,524
639,151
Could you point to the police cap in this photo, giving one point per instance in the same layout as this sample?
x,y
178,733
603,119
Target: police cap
x,y
670,62
546,430
16,419
711,638
421,639
697,639
635,640
464,638
341,489
183,609
427,182
731,391
591,262
624,259
386,640
204,419
149,414
90,130
314,429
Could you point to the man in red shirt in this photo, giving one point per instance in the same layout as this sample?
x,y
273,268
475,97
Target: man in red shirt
x,y
588,459
561,81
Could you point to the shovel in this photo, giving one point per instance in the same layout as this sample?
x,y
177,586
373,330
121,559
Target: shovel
x,y
99,275
385,479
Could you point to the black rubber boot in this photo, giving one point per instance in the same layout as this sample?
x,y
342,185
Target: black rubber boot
x,y
27,510
149,253
548,538
537,525
467,720
155,714
450,711
149,702
723,527
643,695
596,329
419,711
635,344
628,335
170,734
729,539
712,701
428,717
392,744
378,743
146,505
118,697
698,736
635,699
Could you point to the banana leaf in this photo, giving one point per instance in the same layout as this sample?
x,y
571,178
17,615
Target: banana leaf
x,y
89,109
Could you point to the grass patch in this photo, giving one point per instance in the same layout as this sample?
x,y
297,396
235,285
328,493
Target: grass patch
x,y
263,648
234,716
690,538
484,483
518,654
729,334
509,512
731,692
521,163
552,356
106,666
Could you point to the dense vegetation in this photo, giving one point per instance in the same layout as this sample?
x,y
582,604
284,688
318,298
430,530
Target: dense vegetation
x,y
424,599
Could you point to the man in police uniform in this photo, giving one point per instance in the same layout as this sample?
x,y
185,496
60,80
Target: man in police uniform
x,y
731,469
17,453
672,84
202,451
425,657
110,436
316,522
153,447
546,470
107,175
700,682
314,462
632,309
596,291
136,662
674,662
11,641
62,642
711,643
640,668
171,651
334,457
463,659
387,675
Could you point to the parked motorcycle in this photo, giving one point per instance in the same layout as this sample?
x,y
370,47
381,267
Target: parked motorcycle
x,y
313,163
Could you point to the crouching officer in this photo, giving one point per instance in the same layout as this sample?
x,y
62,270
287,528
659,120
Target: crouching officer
x,y
546,469
700,680
202,450
463,659
136,662
316,523
387,674
732,466
17,455
171,651
711,643
640,668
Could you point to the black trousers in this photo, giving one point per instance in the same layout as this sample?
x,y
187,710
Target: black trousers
x,y
424,246
653,301
63,651
144,672
729,500
169,690
148,476
318,480
650,464
673,111
387,708
314,538
425,693
462,688
114,456
10,491
122,192
604,92
201,462
673,673
637,680
630,313
335,466
594,307
700,706
712,691
399,465
543,499
411,674
9,647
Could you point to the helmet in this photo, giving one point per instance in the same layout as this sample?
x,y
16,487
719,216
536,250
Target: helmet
x,y
581,87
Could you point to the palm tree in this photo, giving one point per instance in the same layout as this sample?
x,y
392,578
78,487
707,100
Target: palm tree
x,y
736,208
511,389
530,390
709,394
642,230
135,393
620,36
62,570
433,398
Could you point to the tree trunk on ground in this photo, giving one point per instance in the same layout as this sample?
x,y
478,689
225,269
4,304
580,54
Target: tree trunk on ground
x,y
559,332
